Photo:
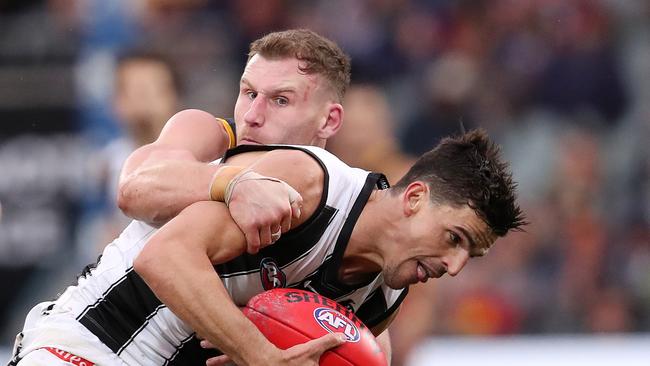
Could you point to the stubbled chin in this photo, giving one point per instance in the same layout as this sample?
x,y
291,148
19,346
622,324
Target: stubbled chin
x,y
398,286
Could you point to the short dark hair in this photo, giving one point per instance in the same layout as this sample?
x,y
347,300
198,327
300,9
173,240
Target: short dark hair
x,y
320,55
468,169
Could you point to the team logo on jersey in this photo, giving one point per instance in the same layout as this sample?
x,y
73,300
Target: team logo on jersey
x,y
271,275
335,322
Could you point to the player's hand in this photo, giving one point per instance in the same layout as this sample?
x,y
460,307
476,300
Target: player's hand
x,y
263,210
305,354
309,353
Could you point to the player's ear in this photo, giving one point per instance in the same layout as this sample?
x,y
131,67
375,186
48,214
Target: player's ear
x,y
414,197
333,121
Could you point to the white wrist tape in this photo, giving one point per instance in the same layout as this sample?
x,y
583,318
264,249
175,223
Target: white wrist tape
x,y
242,177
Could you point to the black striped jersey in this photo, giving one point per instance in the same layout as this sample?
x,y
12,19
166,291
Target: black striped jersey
x,y
111,317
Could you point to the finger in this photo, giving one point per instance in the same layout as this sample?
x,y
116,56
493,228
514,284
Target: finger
x,y
253,241
296,201
286,223
328,341
265,235
218,361
206,344
276,231
296,210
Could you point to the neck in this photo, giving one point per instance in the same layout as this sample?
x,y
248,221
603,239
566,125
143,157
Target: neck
x,y
364,255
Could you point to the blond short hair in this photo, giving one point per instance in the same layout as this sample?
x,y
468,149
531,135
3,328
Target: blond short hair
x,y
319,54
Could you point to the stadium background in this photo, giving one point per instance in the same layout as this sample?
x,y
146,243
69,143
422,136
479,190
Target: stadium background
x,y
563,85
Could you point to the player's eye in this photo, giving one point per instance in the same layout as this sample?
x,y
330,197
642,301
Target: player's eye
x,y
250,94
454,238
281,101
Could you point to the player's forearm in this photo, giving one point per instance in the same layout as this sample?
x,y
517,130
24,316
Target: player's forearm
x,y
160,179
157,192
183,278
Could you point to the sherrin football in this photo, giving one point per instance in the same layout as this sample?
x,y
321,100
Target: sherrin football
x,y
288,317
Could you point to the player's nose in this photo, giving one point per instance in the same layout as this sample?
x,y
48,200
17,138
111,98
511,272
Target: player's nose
x,y
255,115
456,261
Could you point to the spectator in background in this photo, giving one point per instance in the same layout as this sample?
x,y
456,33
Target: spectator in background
x,y
583,74
448,87
147,92
367,140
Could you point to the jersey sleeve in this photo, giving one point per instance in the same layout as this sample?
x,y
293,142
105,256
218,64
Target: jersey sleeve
x,y
229,125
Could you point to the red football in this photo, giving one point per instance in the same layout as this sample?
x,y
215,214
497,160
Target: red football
x,y
288,317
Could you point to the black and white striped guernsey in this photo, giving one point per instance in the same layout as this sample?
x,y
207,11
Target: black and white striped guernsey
x,y
111,304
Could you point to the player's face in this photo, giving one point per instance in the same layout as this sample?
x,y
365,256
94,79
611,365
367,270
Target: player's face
x,y
278,104
437,239
145,97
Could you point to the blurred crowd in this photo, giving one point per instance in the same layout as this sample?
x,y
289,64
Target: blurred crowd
x,y
563,85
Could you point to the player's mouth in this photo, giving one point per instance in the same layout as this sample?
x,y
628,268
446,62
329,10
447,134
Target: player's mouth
x,y
424,272
249,141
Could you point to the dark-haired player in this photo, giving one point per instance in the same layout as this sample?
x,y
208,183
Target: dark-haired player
x,y
358,241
